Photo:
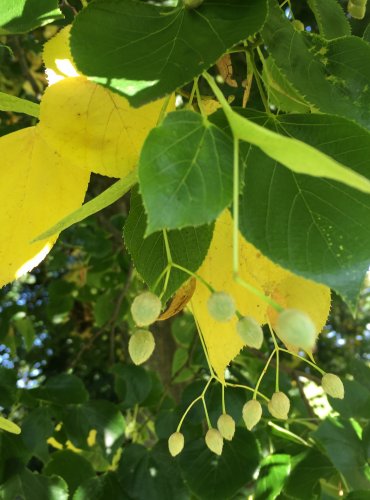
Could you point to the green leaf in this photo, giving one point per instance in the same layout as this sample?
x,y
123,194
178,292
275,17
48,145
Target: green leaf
x,y
151,474
18,105
20,16
274,470
110,41
344,448
366,35
356,402
102,416
132,384
109,196
73,468
62,389
25,485
330,18
280,92
26,328
306,475
314,227
103,487
36,429
213,477
188,248
333,76
185,164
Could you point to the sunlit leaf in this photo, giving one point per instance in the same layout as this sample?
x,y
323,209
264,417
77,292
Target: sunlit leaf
x,y
36,189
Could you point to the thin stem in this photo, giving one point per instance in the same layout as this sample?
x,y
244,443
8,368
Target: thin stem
x,y
314,365
199,100
236,208
167,247
259,294
166,280
241,386
277,357
195,83
263,374
187,411
223,398
206,413
250,59
205,350
160,277
200,397
163,109
195,275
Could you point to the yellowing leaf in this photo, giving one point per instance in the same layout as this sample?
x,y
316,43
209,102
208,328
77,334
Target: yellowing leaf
x,y
96,129
221,339
58,58
9,426
37,188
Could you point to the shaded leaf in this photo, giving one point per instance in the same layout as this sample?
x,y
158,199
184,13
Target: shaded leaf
x,y
61,389
220,477
73,468
344,448
103,487
274,470
196,37
25,485
331,75
188,248
314,227
151,473
330,18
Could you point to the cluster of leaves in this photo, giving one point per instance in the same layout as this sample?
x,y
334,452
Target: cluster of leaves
x,y
289,159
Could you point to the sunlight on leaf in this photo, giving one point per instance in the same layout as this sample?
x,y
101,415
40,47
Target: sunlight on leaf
x,y
221,339
58,58
36,189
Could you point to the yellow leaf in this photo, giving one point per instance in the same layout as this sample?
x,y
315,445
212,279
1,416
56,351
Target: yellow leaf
x,y
37,188
289,290
58,58
96,129
222,340
9,426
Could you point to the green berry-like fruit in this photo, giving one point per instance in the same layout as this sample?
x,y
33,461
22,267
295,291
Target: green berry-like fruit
x,y
333,385
226,426
250,332
146,308
176,443
296,328
192,4
298,25
357,8
252,413
141,346
279,405
221,306
214,441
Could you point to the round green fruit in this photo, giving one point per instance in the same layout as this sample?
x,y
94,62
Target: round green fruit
x,y
176,443
141,346
226,426
250,332
221,306
296,328
146,309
